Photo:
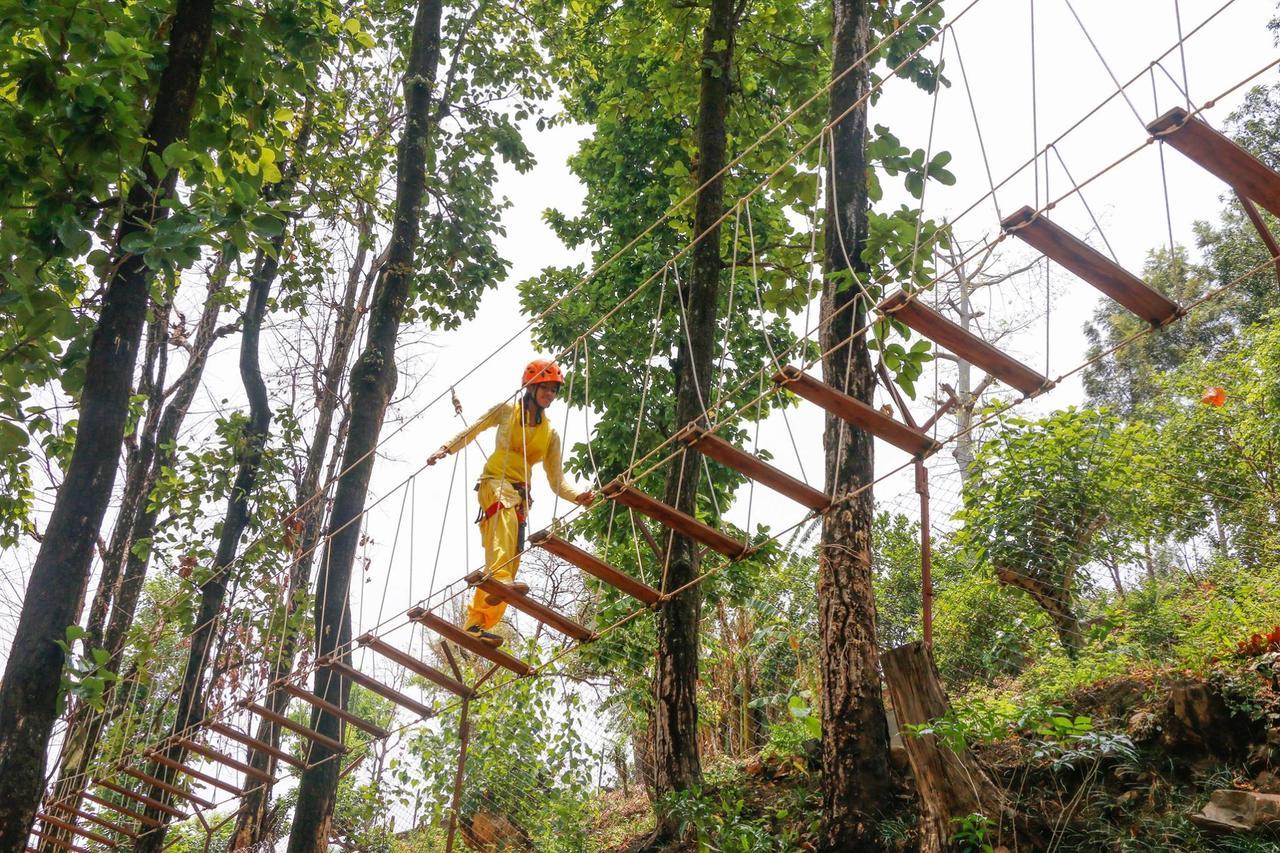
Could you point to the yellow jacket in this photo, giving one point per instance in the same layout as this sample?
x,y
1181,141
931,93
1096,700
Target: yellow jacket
x,y
518,448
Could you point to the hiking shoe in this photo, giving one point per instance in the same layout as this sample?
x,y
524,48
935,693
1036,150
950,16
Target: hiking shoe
x,y
515,586
489,639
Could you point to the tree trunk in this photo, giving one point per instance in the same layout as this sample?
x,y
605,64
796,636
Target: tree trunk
x,y
251,823
676,761
29,695
952,785
372,381
1054,601
855,736
213,590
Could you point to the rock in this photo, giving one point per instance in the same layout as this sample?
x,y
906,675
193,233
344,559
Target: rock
x,y
1143,727
1197,723
1238,811
1267,782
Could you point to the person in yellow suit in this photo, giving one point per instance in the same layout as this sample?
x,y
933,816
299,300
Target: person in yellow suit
x,y
525,438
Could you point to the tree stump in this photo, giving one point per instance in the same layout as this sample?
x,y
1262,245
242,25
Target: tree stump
x,y
951,785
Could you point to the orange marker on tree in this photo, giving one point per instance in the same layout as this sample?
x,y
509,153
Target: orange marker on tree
x,y
1214,396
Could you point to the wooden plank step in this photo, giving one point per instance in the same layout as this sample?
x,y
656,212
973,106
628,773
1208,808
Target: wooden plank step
x,y
254,743
459,637
856,412
293,726
143,799
123,810
536,609
966,345
161,758
58,842
412,664
100,821
370,683
165,786
330,708
223,758
717,448
594,566
1220,156
673,518
75,830
1092,266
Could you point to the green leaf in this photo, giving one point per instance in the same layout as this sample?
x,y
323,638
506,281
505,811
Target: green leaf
x,y
12,437
365,40
116,43
74,237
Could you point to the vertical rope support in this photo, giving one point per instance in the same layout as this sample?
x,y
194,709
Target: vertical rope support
x,y
1035,112
1182,52
1164,178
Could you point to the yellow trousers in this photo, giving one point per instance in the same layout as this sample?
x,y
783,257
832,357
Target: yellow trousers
x,y
500,532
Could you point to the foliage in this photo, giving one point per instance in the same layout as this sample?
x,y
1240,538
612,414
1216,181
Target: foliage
x,y
1047,497
526,761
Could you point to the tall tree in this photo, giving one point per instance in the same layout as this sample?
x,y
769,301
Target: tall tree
x,y
372,381
28,698
855,736
677,766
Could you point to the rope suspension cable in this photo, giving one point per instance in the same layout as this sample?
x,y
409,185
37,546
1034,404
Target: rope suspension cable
x,y
1035,108
1164,177
977,126
1106,65
1182,52
777,364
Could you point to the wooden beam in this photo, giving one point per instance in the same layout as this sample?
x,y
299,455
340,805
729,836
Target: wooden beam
x,y
58,842
715,447
964,344
328,707
75,830
412,664
165,786
254,743
223,758
161,758
100,821
1091,266
142,799
673,518
475,645
293,726
370,683
1220,156
855,411
594,566
123,810
536,609
1264,233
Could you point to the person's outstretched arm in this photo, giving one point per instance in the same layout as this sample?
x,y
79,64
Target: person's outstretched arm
x,y
489,419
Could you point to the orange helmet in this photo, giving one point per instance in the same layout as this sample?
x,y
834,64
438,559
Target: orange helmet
x,y
541,370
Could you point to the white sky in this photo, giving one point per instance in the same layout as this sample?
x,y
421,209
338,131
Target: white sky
x,y
994,40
